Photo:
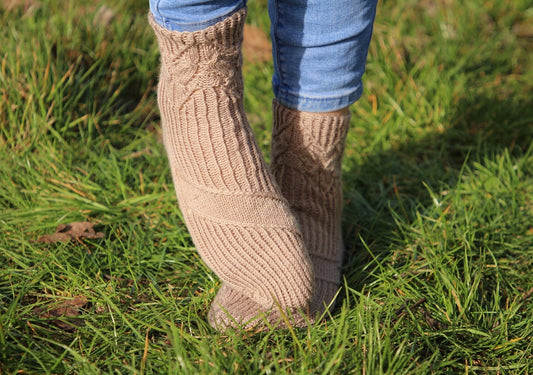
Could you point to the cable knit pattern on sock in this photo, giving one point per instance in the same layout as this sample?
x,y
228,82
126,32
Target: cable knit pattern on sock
x,y
238,219
307,149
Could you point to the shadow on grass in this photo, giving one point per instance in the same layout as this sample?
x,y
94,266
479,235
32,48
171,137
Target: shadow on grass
x,y
395,182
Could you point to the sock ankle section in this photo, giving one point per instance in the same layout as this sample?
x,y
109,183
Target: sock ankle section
x,y
307,151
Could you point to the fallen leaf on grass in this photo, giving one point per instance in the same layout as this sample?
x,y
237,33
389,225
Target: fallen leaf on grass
x,y
103,17
29,6
77,230
523,29
256,46
66,310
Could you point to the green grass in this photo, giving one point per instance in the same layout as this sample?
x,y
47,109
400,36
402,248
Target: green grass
x,y
438,183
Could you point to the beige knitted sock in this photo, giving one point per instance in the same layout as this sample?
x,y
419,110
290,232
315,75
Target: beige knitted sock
x,y
307,149
251,314
238,219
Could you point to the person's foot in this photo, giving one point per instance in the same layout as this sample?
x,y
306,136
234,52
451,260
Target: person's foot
x,y
307,150
233,309
238,219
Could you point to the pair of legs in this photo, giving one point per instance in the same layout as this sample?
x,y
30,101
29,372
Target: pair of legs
x,y
272,235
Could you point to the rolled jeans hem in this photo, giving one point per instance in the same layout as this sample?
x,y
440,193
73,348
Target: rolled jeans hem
x,y
318,104
173,25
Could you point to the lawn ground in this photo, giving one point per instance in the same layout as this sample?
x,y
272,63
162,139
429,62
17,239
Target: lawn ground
x,y
438,189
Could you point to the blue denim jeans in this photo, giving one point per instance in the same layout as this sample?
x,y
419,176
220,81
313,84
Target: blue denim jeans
x,y
319,47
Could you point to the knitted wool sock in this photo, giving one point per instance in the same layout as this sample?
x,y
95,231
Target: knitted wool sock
x,y
238,219
307,149
251,314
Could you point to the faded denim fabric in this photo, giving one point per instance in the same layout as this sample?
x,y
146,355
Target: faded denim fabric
x,y
319,47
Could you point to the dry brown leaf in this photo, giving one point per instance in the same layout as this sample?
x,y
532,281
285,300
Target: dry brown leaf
x,y
256,45
29,6
65,309
104,16
77,230
524,29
